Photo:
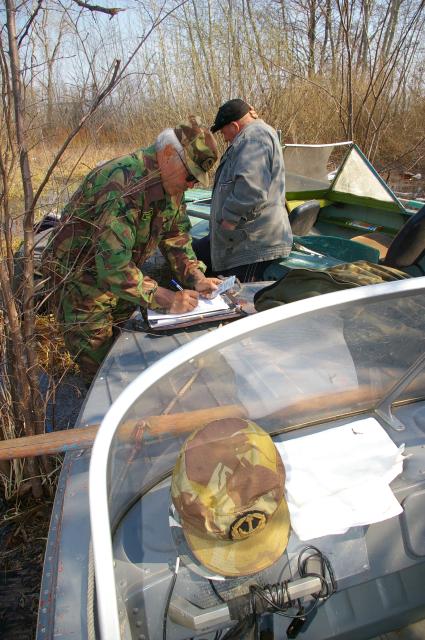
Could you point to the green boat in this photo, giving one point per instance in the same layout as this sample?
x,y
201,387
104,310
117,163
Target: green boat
x,y
340,210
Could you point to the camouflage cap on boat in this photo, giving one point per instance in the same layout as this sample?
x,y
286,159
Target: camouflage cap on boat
x,y
228,489
200,148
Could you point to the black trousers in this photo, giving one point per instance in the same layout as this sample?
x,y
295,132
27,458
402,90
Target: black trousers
x,y
244,272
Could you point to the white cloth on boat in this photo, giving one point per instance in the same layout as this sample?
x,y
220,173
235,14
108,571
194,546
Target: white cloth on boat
x,y
339,478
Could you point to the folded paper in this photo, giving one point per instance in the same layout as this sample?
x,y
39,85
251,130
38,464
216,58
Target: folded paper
x,y
339,478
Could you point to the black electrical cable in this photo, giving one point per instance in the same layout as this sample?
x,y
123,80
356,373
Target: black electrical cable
x,y
328,588
169,596
236,629
278,598
240,629
274,595
217,593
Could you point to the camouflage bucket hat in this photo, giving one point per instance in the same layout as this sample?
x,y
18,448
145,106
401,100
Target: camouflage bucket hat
x,y
200,148
228,489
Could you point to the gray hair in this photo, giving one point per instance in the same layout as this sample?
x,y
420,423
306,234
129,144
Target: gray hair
x,y
168,137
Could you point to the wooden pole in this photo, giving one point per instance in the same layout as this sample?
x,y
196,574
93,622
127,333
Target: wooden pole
x,y
324,406
83,438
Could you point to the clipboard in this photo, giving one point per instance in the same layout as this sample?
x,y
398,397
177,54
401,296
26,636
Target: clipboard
x,y
233,312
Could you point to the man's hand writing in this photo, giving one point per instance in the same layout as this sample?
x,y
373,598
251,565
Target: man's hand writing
x,y
207,286
176,302
185,300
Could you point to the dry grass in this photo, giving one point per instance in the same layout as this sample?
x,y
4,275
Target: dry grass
x,y
304,115
79,160
52,355
55,361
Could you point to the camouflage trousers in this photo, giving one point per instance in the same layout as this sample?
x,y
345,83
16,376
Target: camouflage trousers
x,y
89,320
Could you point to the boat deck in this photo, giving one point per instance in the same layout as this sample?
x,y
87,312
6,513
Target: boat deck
x,y
68,588
66,565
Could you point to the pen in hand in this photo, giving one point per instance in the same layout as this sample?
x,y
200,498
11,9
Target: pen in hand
x,y
176,285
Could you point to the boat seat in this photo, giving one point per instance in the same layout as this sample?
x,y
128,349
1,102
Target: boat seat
x,y
377,240
303,218
408,246
342,248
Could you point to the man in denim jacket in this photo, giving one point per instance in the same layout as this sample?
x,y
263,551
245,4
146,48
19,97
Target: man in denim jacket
x,y
249,226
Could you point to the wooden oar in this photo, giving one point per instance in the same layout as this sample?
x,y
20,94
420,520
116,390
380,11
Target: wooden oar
x,y
83,438
326,404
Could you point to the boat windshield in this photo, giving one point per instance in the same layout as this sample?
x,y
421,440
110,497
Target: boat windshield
x,y
336,172
312,167
286,369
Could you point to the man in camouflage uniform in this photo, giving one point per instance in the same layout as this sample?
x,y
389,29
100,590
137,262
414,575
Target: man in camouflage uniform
x,y
123,211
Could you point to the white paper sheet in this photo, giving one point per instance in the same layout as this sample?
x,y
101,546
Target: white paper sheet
x,y
339,478
204,307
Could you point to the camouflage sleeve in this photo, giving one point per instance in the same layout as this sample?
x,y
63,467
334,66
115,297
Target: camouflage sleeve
x,y
114,260
176,246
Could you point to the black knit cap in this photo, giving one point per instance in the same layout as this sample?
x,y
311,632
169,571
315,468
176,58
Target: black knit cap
x,y
230,111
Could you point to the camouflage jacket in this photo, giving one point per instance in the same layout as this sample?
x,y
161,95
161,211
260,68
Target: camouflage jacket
x,y
114,222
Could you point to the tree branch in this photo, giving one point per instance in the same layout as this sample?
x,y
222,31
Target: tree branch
x,y
115,79
95,7
101,96
30,21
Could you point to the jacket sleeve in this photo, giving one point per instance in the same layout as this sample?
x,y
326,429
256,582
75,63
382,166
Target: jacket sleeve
x,y
116,270
176,246
251,180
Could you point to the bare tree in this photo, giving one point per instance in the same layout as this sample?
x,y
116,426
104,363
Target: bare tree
x,y
320,70
19,312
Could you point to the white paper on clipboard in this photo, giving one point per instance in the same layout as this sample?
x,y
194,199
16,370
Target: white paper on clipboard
x,y
204,308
